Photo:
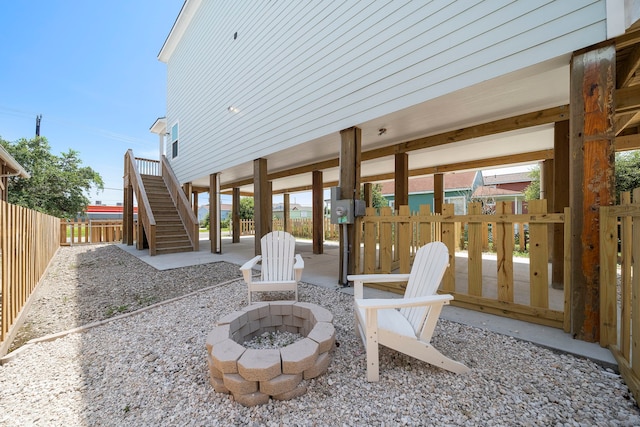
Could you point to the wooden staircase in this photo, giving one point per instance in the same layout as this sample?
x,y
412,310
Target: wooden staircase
x,y
171,235
166,222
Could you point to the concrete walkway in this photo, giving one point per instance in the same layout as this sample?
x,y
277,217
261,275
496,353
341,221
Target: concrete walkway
x,y
322,270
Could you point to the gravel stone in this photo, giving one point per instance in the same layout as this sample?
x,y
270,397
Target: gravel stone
x,y
150,368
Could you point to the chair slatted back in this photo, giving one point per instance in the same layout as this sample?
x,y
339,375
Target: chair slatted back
x,y
429,265
278,256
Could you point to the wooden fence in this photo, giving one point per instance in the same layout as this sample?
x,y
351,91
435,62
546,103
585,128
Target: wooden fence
x,y
620,286
85,231
391,240
28,241
298,227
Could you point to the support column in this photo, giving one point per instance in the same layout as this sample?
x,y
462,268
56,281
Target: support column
x,y
592,139
401,191
318,212
546,193
261,201
367,194
187,187
215,232
349,183
127,206
560,199
286,212
195,204
235,215
438,192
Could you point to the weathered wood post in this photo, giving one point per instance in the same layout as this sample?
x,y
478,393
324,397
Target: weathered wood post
x,y
592,138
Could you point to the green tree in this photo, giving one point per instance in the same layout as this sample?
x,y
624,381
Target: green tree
x,y
377,199
532,192
246,208
627,172
58,184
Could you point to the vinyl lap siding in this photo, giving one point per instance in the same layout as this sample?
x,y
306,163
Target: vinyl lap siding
x,y
301,70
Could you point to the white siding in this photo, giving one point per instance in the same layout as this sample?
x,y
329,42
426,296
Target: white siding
x,y
299,70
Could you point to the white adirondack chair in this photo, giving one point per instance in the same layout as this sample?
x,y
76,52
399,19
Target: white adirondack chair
x,y
281,268
405,324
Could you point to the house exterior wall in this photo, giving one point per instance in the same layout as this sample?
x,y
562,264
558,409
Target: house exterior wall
x,y
295,71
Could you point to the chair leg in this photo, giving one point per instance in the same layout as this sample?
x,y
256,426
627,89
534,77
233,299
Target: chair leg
x,y
249,297
371,346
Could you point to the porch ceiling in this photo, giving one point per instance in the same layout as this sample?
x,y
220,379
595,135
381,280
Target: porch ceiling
x,y
532,89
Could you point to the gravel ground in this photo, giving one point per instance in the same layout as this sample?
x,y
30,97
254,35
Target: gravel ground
x,y
148,368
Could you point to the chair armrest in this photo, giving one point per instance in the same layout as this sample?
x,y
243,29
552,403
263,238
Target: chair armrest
x,y
298,266
379,304
360,279
248,266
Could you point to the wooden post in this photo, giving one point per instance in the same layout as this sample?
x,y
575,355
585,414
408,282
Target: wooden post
x,y
127,205
592,139
286,213
449,238
546,192
401,182
235,215
438,192
318,213
195,204
560,198
367,192
474,261
538,257
349,183
504,248
261,201
215,232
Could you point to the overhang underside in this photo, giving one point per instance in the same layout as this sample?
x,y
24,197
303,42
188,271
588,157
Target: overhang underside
x,y
536,88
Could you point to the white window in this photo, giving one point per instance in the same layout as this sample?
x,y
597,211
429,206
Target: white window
x,y
174,140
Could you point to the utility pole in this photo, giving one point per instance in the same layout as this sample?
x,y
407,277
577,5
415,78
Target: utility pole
x,y
38,119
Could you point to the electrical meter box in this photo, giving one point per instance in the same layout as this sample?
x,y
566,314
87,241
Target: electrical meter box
x,y
344,211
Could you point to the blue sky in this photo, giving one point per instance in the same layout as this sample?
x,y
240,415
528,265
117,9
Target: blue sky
x,y
91,69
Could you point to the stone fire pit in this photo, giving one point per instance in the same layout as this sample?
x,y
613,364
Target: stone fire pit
x,y
254,375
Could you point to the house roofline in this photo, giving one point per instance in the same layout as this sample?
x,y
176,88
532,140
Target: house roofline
x,y
180,25
16,167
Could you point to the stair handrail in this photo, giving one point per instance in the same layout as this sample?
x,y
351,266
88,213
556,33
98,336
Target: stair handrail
x,y
145,214
182,203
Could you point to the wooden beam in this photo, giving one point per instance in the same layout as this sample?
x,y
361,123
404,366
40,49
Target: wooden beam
x,y
317,207
592,140
627,39
550,115
627,68
628,142
623,121
628,100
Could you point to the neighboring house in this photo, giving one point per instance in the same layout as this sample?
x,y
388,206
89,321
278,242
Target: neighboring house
x,y
225,211
503,188
104,212
296,211
9,167
458,188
